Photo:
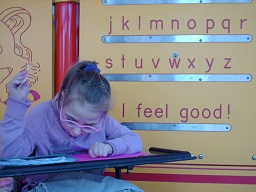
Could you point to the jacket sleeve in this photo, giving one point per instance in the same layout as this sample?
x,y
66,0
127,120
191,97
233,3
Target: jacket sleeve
x,y
121,138
14,142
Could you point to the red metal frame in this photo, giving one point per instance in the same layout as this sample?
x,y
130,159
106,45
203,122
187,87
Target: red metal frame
x,y
66,39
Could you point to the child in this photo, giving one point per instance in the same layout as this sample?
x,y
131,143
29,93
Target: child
x,y
75,120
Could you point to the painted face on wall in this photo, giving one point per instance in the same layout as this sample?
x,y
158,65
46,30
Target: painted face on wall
x,y
6,55
14,55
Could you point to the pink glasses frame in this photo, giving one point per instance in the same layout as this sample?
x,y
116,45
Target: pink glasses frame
x,y
83,127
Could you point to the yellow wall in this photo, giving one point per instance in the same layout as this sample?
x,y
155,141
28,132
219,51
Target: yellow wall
x,y
227,163
231,104
26,38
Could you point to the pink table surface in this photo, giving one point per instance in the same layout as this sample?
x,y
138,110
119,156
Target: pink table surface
x,y
86,157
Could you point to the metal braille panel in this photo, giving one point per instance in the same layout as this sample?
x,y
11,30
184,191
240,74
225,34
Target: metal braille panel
x,y
144,2
179,77
176,39
178,127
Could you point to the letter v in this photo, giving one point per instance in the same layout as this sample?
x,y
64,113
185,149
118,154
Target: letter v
x,y
155,64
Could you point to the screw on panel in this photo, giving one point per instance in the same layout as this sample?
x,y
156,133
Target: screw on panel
x,y
200,156
175,54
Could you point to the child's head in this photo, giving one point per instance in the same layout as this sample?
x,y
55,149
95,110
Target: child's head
x,y
84,83
83,99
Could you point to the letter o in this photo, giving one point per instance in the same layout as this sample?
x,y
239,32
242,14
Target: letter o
x,y
192,111
209,113
194,24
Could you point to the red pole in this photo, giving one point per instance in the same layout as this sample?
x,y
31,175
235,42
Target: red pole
x,y
66,38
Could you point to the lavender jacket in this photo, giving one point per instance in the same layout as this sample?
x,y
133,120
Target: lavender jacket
x,y
39,129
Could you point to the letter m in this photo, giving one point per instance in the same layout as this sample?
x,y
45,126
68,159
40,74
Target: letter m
x,y
156,22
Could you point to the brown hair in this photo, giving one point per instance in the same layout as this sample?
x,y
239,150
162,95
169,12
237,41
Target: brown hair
x,y
83,82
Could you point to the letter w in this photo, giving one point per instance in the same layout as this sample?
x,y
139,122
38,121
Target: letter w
x,y
174,63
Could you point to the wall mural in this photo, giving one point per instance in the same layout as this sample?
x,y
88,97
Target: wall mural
x,y
16,21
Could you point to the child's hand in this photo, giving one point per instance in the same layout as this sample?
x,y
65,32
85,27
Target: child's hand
x,y
18,87
100,150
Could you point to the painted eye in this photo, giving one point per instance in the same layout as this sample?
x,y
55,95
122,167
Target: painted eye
x,y
1,49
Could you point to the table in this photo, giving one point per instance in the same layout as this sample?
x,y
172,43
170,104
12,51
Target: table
x,y
154,155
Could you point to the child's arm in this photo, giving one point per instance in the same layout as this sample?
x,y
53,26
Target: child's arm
x,y
13,125
13,141
122,139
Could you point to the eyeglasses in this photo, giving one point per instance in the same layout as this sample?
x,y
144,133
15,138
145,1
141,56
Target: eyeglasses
x,y
86,128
